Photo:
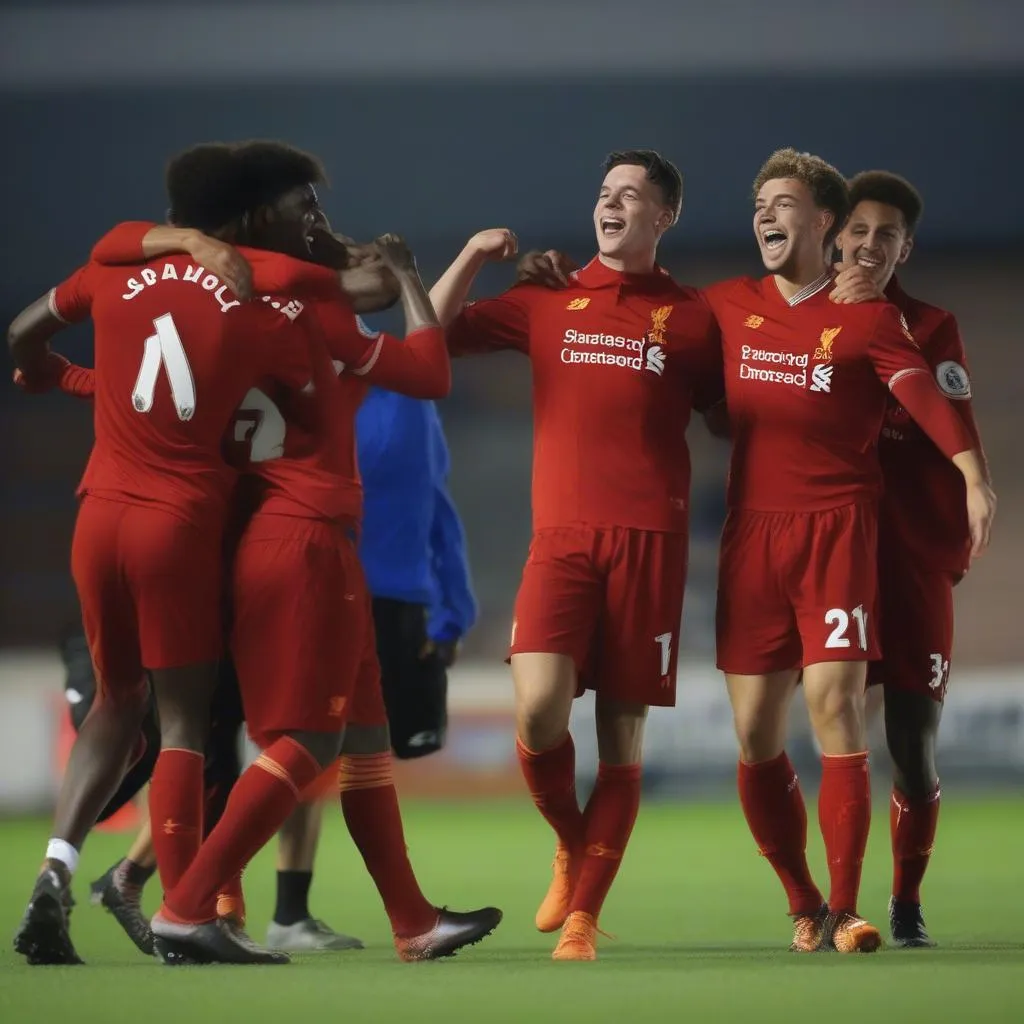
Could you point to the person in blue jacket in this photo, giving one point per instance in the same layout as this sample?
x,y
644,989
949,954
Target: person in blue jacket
x,y
413,551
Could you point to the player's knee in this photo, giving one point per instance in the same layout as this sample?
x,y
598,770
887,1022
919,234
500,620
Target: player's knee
x,y
838,718
324,747
364,740
545,687
620,731
915,773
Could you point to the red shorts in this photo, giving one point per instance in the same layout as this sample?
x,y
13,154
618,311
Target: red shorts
x,y
149,586
795,589
916,609
612,600
302,637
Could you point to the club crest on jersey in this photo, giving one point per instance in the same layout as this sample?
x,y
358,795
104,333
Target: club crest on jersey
x,y
577,304
823,353
753,321
952,378
659,319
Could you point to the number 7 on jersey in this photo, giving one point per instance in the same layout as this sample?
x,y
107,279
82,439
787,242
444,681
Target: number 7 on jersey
x,y
164,348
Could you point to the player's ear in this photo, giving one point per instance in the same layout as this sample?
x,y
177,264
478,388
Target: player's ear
x,y
905,251
826,218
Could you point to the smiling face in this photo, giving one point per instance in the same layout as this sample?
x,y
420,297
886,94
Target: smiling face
x,y
875,237
630,217
789,227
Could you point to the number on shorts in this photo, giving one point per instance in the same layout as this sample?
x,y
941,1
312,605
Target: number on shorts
x,y
268,428
940,672
164,348
664,641
840,621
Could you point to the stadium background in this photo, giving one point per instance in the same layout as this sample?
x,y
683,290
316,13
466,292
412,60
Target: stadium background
x,y
476,115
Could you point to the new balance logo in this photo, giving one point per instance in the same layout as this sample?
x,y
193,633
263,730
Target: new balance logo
x,y
655,359
821,378
578,304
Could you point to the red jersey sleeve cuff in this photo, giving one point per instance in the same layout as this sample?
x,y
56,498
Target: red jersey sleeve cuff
x,y
915,390
51,302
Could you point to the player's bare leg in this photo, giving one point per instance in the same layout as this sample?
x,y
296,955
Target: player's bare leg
x,y
369,803
771,798
911,730
545,687
119,889
293,928
609,818
103,751
835,694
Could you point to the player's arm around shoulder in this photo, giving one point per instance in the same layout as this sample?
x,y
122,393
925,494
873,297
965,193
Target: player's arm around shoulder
x,y
709,375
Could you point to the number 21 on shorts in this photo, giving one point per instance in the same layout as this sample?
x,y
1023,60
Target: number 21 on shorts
x,y
839,620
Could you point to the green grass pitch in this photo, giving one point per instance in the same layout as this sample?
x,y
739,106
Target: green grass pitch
x,y
699,919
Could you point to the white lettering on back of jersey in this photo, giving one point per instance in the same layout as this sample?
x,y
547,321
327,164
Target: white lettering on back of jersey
x,y
192,274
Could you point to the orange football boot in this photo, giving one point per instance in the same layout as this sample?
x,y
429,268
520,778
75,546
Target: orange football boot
x,y
808,930
852,934
579,938
554,910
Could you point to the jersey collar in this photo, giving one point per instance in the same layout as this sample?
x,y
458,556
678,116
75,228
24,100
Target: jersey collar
x,y
596,275
771,289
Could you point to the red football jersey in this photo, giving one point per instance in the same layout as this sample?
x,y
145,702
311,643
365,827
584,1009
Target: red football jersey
x,y
302,445
923,507
175,352
618,361
806,390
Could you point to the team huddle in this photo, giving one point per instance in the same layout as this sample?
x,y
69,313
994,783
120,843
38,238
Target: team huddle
x,y
222,503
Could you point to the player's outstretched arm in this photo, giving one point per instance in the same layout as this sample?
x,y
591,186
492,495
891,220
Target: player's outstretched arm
x,y
449,294
419,366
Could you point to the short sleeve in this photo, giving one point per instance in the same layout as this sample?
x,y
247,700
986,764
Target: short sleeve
x,y
948,358
892,350
491,325
71,300
348,340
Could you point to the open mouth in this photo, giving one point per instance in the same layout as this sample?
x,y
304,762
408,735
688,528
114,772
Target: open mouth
x,y
611,226
871,262
773,239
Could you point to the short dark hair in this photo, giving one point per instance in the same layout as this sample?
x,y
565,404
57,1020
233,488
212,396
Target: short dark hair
x,y
215,183
827,186
890,189
660,172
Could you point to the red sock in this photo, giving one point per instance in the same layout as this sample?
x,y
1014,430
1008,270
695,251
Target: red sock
x,y
369,803
912,824
260,801
611,813
176,812
774,808
844,814
551,778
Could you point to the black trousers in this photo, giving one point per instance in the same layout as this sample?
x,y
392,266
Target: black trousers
x,y
415,687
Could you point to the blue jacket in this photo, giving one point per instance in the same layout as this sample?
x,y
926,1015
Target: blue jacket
x,y
413,547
